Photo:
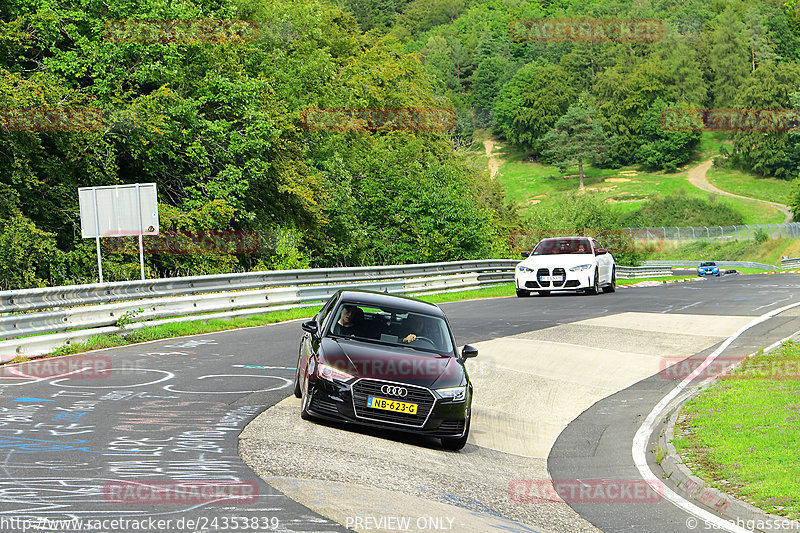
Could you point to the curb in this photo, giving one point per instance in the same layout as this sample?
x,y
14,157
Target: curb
x,y
697,490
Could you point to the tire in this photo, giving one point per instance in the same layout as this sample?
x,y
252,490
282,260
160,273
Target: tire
x,y
522,293
304,414
298,393
612,287
544,293
594,289
459,442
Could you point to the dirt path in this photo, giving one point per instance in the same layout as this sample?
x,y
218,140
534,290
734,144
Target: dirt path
x,y
697,177
494,163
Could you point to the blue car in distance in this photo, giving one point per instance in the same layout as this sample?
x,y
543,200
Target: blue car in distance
x,y
708,268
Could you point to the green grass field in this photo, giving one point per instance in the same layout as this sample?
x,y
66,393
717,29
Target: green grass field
x,y
741,434
534,186
738,182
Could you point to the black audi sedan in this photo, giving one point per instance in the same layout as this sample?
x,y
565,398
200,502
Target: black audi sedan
x,y
375,359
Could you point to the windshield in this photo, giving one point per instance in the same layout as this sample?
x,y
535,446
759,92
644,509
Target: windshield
x,y
573,245
708,264
390,326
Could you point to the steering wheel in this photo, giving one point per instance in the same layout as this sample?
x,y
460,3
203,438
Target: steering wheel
x,y
426,339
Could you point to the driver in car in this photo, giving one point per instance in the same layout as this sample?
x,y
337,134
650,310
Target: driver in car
x,y
416,328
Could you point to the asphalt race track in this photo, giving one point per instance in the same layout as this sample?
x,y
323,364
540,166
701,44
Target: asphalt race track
x,y
562,385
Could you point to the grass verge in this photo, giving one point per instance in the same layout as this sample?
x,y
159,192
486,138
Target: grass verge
x,y
741,434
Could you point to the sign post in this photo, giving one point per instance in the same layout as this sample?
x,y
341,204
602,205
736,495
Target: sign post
x,y
119,211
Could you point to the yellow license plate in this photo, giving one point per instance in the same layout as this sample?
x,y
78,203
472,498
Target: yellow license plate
x,y
392,405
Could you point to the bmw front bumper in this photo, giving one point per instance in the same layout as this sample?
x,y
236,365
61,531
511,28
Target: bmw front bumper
x,y
537,280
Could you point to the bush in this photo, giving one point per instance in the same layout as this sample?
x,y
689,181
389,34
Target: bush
x,y
678,209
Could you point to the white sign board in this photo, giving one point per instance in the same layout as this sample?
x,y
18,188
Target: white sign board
x,y
118,210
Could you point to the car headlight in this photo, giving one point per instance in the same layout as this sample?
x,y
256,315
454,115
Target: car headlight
x,y
332,374
580,267
452,393
521,268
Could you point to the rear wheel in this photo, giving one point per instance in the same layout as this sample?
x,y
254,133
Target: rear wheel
x,y
613,285
522,293
459,442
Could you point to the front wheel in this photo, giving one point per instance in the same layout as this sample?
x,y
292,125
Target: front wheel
x,y
304,414
595,288
522,293
613,285
459,442
298,393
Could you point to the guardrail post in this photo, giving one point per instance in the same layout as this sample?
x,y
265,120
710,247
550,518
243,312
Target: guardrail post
x,y
708,234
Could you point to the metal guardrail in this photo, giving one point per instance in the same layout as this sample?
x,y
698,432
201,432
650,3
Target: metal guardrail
x,y
624,272
790,263
723,264
788,230
39,320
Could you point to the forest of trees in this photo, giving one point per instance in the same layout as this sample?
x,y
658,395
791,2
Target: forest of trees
x,y
218,126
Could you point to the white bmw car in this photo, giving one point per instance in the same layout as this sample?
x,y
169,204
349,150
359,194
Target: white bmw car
x,y
566,264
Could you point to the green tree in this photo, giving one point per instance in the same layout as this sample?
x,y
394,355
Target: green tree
x,y
664,150
531,103
730,57
577,137
768,153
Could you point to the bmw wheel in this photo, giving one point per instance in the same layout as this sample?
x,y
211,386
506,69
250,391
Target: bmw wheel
x,y
595,288
611,287
522,293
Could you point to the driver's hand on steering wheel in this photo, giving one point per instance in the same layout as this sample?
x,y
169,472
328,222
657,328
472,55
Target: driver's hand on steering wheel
x,y
410,338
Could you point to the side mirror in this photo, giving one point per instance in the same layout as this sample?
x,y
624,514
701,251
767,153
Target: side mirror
x,y
310,327
525,254
600,251
469,351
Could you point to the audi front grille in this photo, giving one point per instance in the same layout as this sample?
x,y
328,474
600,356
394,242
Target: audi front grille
x,y
421,396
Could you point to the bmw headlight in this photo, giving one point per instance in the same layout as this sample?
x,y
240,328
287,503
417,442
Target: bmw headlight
x,y
332,374
580,267
452,393
521,268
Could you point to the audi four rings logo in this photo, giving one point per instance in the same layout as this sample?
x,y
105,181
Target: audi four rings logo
x,y
394,391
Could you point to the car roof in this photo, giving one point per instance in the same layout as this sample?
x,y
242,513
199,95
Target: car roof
x,y
384,299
